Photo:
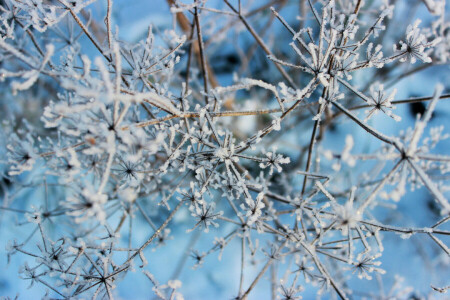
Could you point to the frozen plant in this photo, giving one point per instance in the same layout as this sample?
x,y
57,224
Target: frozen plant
x,y
247,131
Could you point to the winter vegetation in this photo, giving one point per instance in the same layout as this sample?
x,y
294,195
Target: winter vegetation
x,y
228,149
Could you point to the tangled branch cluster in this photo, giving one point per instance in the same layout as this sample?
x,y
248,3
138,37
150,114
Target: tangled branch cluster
x,y
143,144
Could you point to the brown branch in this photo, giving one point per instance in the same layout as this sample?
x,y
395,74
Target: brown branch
x,y
186,27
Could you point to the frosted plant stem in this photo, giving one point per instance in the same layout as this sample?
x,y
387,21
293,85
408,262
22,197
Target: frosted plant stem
x,y
406,230
188,28
105,177
367,128
241,280
430,186
440,244
258,277
353,89
323,270
405,101
108,23
190,115
261,44
374,193
157,233
88,34
310,150
202,53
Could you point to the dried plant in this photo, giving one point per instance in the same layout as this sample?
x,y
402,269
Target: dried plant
x,y
217,137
